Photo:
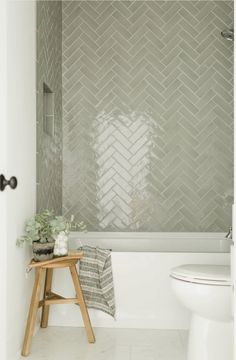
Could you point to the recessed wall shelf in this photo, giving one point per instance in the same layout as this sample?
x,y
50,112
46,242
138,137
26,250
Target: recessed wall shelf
x,y
48,110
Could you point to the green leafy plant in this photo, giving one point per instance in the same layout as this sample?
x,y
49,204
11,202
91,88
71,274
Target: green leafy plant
x,y
45,226
38,229
61,224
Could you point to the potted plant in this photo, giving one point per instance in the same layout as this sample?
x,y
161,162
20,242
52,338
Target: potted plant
x,y
38,233
48,234
61,228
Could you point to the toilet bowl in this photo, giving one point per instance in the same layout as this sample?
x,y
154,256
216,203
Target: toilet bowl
x,y
207,292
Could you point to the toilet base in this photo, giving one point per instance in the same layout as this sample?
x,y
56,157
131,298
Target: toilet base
x,y
210,340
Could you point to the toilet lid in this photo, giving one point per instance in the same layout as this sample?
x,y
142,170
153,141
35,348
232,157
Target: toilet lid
x,y
203,274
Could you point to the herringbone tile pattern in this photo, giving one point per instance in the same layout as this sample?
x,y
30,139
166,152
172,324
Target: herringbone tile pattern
x,y
148,115
49,149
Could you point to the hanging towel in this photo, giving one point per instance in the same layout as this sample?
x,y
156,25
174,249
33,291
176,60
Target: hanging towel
x,y
95,273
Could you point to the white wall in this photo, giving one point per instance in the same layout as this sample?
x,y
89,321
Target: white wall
x,y
21,160
142,288
3,115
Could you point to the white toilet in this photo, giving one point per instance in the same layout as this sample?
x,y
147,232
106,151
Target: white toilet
x,y
206,290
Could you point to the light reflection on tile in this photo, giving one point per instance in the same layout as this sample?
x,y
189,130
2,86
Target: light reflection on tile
x,y
122,147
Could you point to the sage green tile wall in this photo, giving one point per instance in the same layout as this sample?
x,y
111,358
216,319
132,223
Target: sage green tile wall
x,y
49,71
148,115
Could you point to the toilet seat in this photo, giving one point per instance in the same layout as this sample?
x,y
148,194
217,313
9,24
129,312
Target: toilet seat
x,y
203,274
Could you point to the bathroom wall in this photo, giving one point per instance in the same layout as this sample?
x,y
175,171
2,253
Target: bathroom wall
x,y
18,143
148,115
49,146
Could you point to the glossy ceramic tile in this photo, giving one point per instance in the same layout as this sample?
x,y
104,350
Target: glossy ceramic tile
x,y
111,344
148,115
49,143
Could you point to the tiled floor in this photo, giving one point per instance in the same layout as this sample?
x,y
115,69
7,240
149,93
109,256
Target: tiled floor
x,y
65,343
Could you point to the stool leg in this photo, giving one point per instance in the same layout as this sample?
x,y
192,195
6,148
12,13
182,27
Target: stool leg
x,y
47,290
32,313
83,307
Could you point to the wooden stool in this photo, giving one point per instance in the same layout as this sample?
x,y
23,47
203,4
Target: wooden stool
x,y
50,297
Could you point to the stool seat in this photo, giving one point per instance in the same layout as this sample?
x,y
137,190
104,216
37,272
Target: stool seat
x,y
50,298
56,262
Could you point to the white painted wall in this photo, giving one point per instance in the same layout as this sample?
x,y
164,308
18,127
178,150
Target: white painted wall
x,y
142,288
20,150
3,115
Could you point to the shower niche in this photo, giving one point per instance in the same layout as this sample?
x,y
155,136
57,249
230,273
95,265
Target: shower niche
x,y
48,110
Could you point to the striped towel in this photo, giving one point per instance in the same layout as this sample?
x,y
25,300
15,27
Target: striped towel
x,y
95,273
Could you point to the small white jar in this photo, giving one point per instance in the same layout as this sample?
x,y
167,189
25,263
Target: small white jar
x,y
61,244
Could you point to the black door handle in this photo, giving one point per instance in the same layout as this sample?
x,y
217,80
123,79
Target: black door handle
x,y
3,182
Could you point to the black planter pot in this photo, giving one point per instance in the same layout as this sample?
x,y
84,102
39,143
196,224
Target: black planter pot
x,y
42,251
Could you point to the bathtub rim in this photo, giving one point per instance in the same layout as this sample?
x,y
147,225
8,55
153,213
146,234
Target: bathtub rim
x,y
194,242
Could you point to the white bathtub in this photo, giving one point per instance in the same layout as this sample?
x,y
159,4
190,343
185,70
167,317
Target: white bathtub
x,y
141,266
154,242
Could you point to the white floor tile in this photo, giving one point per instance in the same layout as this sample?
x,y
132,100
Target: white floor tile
x,y
62,343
